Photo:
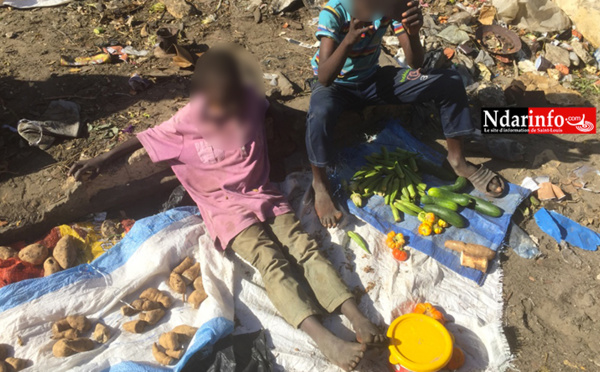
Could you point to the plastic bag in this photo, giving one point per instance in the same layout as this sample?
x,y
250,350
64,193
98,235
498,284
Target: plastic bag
x,y
239,353
507,9
454,34
541,16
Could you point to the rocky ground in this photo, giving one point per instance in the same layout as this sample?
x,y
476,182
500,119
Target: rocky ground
x,y
551,316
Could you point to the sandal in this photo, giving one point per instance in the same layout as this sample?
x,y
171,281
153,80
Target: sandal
x,y
482,177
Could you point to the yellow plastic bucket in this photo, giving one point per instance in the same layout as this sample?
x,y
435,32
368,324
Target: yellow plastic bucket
x,y
419,343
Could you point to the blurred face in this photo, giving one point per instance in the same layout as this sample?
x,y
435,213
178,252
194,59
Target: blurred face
x,y
371,10
223,100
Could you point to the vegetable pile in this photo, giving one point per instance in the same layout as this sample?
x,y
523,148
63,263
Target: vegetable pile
x,y
69,332
10,363
172,345
395,176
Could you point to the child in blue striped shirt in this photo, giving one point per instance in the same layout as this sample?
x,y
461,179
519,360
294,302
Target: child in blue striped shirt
x,y
348,76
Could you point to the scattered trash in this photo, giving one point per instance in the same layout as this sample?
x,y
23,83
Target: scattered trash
x,y
487,15
97,59
99,30
391,40
522,243
542,64
182,57
526,66
271,77
498,40
460,18
167,38
549,191
25,4
61,119
118,52
175,199
561,228
134,52
455,34
209,19
484,58
138,83
484,72
302,44
279,6
529,183
586,178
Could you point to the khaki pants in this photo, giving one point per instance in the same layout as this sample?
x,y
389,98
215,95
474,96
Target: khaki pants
x,y
273,247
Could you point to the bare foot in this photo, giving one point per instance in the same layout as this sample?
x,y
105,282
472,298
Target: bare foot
x,y
344,354
328,214
367,332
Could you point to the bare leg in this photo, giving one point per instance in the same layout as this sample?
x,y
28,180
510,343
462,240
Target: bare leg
x,y
342,353
457,160
328,214
366,332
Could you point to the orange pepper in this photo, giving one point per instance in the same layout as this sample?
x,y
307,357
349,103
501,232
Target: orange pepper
x,y
427,309
430,218
420,308
395,240
425,229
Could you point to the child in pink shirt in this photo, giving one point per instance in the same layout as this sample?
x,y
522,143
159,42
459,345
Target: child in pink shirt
x,y
217,148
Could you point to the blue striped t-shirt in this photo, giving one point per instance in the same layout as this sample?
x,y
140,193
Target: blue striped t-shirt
x,y
334,23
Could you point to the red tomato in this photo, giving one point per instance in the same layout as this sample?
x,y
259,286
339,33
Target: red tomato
x,y
400,254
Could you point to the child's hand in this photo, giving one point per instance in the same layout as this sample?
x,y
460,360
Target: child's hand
x,y
356,31
412,18
83,166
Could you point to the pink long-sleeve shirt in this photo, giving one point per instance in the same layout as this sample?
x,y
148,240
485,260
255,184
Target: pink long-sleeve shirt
x,y
226,172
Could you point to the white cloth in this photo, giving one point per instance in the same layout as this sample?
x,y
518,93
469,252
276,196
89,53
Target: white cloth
x,y
156,246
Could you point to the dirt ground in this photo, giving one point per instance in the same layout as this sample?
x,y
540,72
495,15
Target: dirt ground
x,y
551,317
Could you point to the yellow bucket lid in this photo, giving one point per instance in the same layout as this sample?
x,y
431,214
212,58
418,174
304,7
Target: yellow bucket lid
x,y
419,343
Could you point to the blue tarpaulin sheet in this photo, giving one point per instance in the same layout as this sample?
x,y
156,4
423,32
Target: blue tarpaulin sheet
x,y
484,230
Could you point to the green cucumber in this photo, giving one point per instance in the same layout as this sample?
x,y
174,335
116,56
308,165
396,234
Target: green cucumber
x,y
459,199
446,214
485,207
426,199
458,185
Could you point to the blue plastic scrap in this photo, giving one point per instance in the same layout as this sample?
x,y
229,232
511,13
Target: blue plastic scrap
x,y
562,228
